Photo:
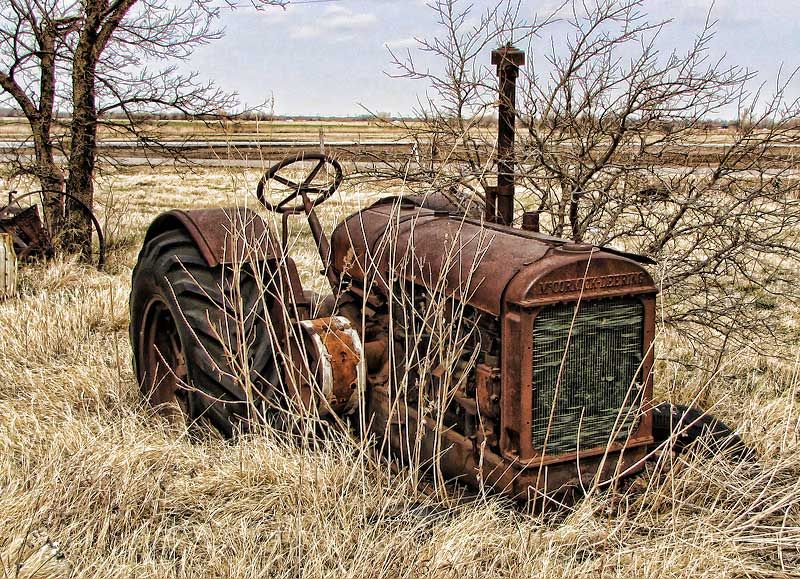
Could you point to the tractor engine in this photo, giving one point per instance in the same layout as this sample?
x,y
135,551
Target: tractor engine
x,y
551,381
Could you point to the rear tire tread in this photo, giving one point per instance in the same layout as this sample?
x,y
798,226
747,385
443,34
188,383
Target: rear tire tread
x,y
199,299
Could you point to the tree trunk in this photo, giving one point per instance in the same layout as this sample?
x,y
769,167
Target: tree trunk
x,y
51,178
80,184
40,119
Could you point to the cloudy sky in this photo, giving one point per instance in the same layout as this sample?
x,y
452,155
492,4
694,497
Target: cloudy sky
x,y
330,57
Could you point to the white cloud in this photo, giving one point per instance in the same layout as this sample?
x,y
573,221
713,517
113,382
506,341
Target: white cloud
x,y
402,43
336,23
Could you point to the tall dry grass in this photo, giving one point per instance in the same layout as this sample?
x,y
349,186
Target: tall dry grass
x,y
92,484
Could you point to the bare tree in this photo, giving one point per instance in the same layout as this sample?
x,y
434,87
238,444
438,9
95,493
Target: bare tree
x,y
90,59
453,143
615,149
30,40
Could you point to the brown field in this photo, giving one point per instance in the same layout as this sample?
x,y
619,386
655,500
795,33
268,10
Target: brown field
x,y
301,130
278,130
93,485
247,142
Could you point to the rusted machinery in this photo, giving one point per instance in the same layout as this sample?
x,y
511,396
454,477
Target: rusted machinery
x,y
32,235
498,355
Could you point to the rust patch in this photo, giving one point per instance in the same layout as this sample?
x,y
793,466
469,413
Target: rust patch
x,y
338,361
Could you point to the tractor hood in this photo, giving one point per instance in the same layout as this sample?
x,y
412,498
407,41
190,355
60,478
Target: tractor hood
x,y
483,264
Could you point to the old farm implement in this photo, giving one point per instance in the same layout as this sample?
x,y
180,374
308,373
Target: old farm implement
x,y
33,233
542,349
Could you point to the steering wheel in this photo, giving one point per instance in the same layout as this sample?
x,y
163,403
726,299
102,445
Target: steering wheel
x,y
303,188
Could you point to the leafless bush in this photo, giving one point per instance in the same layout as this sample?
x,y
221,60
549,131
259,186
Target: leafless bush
x,y
614,148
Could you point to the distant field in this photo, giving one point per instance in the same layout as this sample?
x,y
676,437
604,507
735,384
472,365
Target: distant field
x,y
307,130
283,130
361,140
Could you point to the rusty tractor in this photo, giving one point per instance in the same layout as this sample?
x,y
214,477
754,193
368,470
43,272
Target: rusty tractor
x,y
549,389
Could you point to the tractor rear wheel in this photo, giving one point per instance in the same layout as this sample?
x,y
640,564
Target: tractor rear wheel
x,y
199,335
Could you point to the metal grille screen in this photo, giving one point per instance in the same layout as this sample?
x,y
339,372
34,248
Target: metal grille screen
x,y
605,351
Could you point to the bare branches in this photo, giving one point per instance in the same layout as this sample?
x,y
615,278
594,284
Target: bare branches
x,y
92,58
616,148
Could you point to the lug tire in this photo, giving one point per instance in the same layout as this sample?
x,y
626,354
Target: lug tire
x,y
176,294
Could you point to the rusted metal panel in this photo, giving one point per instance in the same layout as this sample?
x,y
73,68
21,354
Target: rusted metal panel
x,y
357,242
487,390
478,261
223,235
8,267
27,231
229,235
573,270
33,237
459,258
459,255
530,221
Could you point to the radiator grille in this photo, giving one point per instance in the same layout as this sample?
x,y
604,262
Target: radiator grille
x,y
603,359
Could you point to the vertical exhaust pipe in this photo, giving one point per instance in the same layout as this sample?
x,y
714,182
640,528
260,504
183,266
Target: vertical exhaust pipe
x,y
500,201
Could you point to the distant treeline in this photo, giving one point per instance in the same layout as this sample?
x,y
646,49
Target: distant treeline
x,y
246,116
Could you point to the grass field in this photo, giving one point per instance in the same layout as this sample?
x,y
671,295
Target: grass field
x,y
377,129
272,130
93,485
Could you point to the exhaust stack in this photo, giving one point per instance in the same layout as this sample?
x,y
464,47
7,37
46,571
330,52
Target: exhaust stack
x,y
500,201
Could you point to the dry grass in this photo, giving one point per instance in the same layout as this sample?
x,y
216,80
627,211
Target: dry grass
x,y
304,130
93,485
279,130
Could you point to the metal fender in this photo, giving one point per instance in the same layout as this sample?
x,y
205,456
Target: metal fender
x,y
223,235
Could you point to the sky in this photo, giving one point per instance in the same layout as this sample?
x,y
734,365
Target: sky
x,y
331,57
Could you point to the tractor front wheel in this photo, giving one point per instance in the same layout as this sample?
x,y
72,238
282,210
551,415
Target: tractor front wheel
x,y
680,426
